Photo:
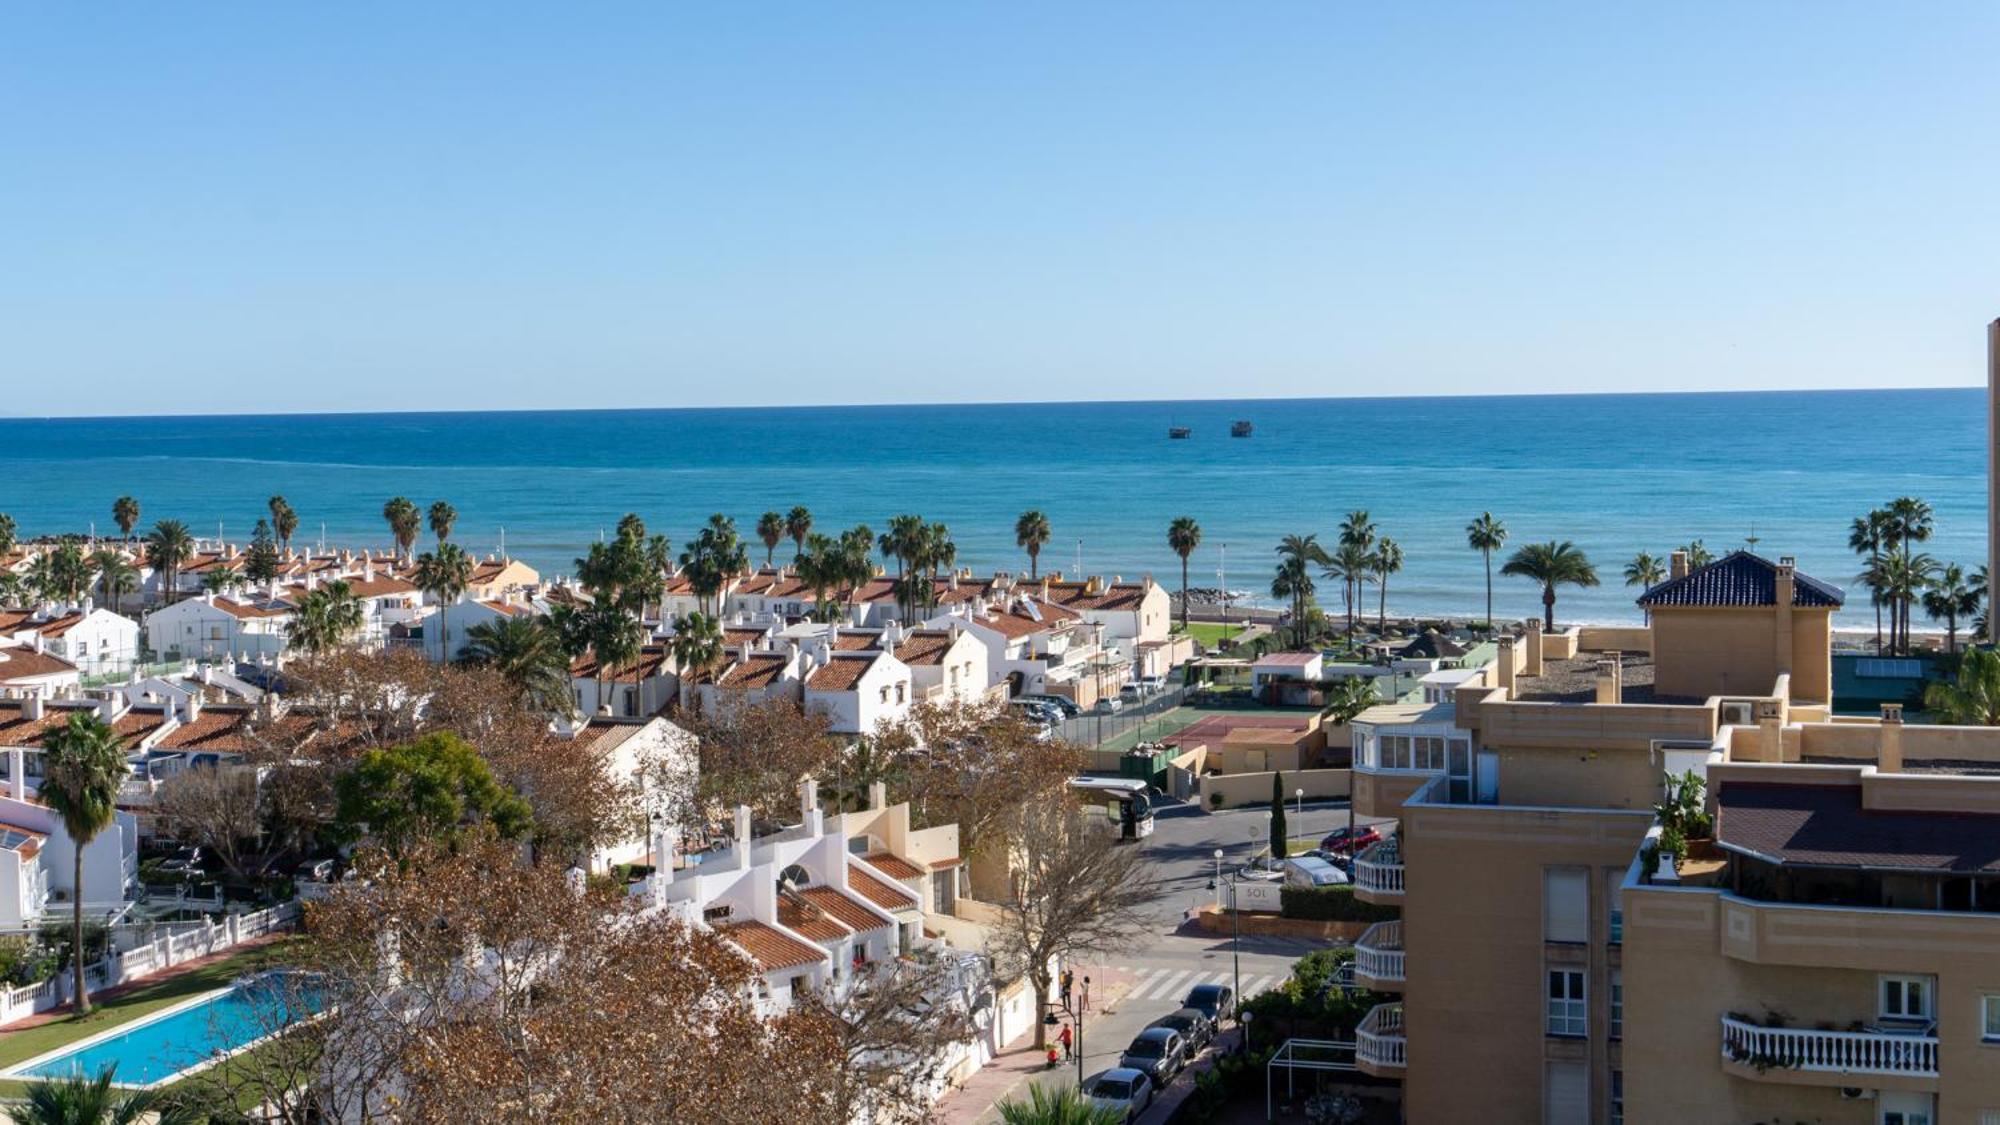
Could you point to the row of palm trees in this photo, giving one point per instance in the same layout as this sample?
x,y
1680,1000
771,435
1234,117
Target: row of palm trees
x,y
1361,555
1900,578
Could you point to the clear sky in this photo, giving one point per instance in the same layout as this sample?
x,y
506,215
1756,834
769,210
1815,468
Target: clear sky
x,y
210,208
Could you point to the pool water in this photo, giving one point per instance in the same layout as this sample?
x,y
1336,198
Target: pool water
x,y
163,1047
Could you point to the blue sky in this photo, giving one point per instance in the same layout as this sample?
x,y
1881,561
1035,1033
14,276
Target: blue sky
x,y
355,207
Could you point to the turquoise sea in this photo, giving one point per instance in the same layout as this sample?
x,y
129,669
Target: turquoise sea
x,y
1615,473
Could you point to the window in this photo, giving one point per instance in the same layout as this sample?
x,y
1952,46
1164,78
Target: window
x,y
1989,1018
1617,1114
1617,1027
1568,1015
1906,998
1871,668
1565,905
1615,905
1900,1107
1565,1094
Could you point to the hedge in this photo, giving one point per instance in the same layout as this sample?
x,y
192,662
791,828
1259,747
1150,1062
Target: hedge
x,y
1331,904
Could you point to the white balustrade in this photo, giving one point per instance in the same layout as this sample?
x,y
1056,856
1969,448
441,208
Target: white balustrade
x,y
1378,953
1829,1052
1378,1038
1378,869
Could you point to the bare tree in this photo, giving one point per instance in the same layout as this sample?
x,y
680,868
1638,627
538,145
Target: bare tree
x,y
896,1034
215,807
1075,890
756,755
970,764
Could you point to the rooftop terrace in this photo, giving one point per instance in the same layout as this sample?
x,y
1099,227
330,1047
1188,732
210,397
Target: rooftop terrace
x,y
1575,681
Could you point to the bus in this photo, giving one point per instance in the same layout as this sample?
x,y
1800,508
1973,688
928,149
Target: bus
x,y
1125,801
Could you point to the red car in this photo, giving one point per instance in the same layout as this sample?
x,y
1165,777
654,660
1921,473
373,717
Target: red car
x,y
1351,840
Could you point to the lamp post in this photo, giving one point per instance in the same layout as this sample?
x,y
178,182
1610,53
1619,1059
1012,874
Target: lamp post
x,y
1075,1013
1299,804
1236,926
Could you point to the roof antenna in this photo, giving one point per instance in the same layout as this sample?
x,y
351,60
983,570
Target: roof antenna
x,y
1752,537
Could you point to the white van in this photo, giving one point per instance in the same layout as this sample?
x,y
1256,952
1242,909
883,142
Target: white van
x,y
1306,871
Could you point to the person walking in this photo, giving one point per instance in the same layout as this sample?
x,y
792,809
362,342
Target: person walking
x,y
1064,1039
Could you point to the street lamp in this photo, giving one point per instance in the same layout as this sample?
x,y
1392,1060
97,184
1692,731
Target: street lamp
x,y
1075,1013
1299,804
1236,924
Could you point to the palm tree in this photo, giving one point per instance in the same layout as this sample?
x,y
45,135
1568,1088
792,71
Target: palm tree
x,y
443,517
444,574
13,589
798,525
1486,535
1293,580
284,521
404,522
1952,595
1351,565
1030,532
771,529
169,546
125,512
9,534
327,616
1645,570
1357,531
1061,1105
528,652
697,647
1698,555
78,1100
1868,535
1902,579
1184,535
62,574
904,542
83,763
938,551
115,574
1348,697
1388,561
1552,564
1974,699
1911,519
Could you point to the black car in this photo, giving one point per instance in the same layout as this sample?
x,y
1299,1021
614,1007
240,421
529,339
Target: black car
x,y
1159,1051
1216,1001
1193,1024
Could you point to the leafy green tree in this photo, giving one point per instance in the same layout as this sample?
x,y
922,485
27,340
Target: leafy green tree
x,y
1486,535
1031,532
83,763
1278,834
1183,536
1551,564
260,559
429,789
125,512
1973,699
1059,1105
81,1100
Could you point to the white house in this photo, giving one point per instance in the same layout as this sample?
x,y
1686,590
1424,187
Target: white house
x,y
656,756
27,671
96,640
216,627
856,691
636,688
447,625
110,859
946,665
752,677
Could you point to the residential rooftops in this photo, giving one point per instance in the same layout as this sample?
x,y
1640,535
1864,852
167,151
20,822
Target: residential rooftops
x,y
1740,579
769,947
1827,826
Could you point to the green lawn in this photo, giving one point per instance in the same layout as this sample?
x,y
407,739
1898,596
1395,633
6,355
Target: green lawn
x,y
20,1046
1211,634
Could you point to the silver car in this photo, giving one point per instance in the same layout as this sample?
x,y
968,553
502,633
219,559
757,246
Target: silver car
x,y
1124,1089
1159,1051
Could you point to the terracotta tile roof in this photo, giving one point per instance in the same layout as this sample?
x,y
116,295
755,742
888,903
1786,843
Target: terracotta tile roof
x,y
136,725
27,664
946,864
508,609
379,586
1741,579
740,635
1077,595
651,663
1013,624
894,865
14,620
1826,826
925,647
757,669
857,640
851,914
842,672
768,947
250,610
888,896
215,729
57,626
809,921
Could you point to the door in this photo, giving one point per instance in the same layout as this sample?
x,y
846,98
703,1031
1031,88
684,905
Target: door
x,y
1900,1107
1458,770
1488,777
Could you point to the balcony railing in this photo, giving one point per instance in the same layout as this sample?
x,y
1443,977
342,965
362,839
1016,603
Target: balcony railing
x,y
1378,1039
1378,870
1378,954
1829,1052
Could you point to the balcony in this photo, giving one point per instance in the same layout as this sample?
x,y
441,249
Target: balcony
x,y
1379,1046
1378,873
1378,957
1795,1055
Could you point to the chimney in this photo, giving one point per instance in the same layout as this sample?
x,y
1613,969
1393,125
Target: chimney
x,y
809,812
739,854
1609,677
878,795
17,773
1677,565
1770,731
31,707
1533,667
1890,742
1505,664
1781,640
192,706
107,708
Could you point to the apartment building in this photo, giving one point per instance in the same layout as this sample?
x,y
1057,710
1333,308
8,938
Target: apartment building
x,y
1829,958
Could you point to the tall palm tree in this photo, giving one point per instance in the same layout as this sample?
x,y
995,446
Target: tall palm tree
x,y
13,589
1645,571
326,617
1974,698
169,546
1868,535
1351,566
1184,535
771,529
404,521
528,652
1552,564
1902,579
443,517
62,574
1388,560
798,525
904,542
937,552
1293,581
1698,554
1357,530
617,641
81,1100
9,534
444,574
1952,595
697,648
1911,519
284,522
1031,531
116,575
125,512
1486,535
83,763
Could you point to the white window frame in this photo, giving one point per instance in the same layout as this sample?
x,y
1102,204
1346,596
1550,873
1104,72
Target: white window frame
x,y
1989,1018
1898,987
1616,1028
1568,1015
1572,880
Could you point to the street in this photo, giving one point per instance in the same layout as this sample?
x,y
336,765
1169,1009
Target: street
x,y
1151,979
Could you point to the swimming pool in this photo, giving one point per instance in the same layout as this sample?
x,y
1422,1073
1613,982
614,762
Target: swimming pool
x,y
186,1036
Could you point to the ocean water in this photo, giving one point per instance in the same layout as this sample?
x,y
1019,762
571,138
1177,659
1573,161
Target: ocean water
x,y
1615,473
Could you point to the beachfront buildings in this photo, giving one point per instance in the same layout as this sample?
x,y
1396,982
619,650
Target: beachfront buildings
x,y
37,854
96,640
1828,957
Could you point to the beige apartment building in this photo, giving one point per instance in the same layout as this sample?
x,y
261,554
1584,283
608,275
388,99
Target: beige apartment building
x,y
1833,957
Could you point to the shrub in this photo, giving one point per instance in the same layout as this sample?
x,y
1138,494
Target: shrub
x,y
1330,904
24,962
54,937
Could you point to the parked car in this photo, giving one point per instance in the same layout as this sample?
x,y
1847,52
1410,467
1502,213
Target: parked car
x,y
1132,693
1193,1024
1216,1001
1036,711
1351,840
1068,707
314,871
1305,871
1154,684
1109,704
1122,1088
1344,862
184,863
1159,1051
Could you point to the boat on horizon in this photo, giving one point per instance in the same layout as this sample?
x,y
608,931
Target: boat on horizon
x,y
1179,433
1242,428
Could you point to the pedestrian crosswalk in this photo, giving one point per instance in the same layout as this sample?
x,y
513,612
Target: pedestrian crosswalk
x,y
1171,984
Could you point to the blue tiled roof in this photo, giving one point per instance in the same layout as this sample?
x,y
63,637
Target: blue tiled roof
x,y
1741,579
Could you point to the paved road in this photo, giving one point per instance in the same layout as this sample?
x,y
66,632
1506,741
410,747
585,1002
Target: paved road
x,y
1154,976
